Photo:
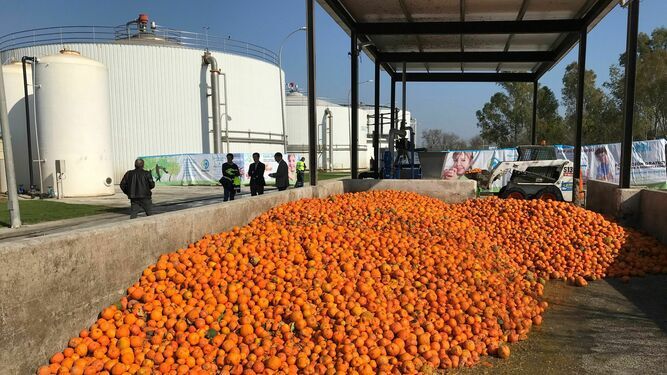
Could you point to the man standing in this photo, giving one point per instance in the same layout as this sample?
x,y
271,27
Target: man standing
x,y
281,176
300,171
231,178
137,185
256,174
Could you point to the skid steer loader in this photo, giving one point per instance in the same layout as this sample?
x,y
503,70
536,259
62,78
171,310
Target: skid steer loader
x,y
537,173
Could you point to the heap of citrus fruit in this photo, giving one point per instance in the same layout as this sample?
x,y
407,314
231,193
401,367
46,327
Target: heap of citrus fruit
x,y
367,283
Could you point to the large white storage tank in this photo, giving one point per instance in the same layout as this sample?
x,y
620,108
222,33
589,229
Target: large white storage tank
x,y
13,77
74,124
160,92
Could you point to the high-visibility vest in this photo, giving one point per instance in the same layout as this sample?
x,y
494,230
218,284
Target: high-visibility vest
x,y
300,166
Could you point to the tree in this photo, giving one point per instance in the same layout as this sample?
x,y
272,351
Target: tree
x,y
477,143
438,140
550,126
650,120
432,139
601,118
506,120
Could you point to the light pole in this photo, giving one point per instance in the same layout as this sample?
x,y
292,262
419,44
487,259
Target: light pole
x,y
349,111
280,79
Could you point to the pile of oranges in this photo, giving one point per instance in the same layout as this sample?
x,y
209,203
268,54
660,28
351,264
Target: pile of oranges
x,y
374,282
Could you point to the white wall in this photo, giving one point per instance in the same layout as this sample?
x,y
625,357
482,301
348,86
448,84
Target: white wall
x,y
159,102
13,77
296,114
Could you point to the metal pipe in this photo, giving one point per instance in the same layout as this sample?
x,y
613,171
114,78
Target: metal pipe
x,y
282,85
629,102
533,130
376,132
403,98
224,81
354,105
392,124
35,86
580,102
12,193
215,101
312,120
26,101
330,118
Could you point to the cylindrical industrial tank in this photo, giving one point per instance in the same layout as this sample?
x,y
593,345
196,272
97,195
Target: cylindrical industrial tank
x,y
74,124
13,77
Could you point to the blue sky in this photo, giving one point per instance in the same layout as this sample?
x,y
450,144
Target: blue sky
x,y
448,106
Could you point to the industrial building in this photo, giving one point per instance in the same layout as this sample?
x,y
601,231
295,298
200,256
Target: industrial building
x,y
106,95
333,130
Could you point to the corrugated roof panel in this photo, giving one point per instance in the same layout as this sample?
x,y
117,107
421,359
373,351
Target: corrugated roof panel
x,y
408,43
532,42
479,67
484,43
516,67
396,43
440,43
375,11
434,10
496,10
554,9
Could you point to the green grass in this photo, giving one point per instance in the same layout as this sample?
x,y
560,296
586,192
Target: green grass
x,y
38,211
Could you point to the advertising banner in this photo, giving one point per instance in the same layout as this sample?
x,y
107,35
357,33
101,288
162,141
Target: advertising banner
x,y
206,169
458,162
603,162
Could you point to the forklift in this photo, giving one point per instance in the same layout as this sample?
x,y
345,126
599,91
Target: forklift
x,y
536,174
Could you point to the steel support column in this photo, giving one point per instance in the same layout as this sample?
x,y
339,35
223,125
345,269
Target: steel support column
x,y
629,102
580,102
392,116
354,105
312,120
378,119
533,130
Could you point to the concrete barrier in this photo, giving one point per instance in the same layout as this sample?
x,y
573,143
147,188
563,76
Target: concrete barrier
x,y
608,199
653,213
640,208
53,286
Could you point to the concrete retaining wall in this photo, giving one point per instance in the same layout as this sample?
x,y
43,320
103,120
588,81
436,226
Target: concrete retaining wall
x,y
53,286
608,199
640,208
653,213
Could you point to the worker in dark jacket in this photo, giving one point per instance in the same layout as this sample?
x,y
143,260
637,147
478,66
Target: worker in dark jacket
x,y
231,178
281,176
256,174
137,185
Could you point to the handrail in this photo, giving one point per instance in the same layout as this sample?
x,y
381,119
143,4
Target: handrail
x,y
119,34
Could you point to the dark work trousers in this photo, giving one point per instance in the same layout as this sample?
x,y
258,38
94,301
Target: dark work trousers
x,y
229,194
256,190
137,205
299,179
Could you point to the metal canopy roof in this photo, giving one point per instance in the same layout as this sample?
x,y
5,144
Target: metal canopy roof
x,y
467,40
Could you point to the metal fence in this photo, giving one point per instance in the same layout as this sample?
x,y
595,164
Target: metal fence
x,y
64,35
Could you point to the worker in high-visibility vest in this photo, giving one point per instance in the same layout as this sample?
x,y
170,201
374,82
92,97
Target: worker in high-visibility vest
x,y
300,171
231,178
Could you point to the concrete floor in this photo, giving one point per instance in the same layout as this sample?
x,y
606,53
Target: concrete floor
x,y
606,328
165,199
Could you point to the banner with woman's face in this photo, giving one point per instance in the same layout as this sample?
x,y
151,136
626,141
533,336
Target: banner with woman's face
x,y
457,163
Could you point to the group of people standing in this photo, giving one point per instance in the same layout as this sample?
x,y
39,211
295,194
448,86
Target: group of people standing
x,y
231,175
138,183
